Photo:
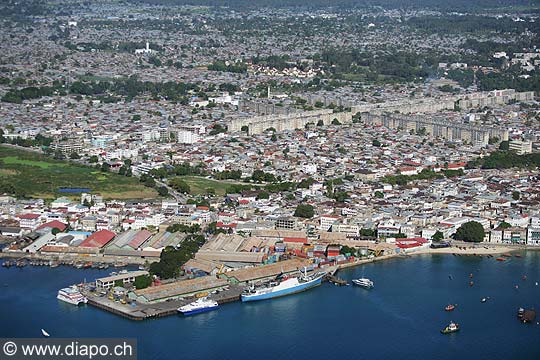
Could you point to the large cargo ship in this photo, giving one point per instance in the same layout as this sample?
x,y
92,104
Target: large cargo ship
x,y
281,286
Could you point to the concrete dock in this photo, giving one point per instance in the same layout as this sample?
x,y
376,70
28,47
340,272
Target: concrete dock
x,y
140,311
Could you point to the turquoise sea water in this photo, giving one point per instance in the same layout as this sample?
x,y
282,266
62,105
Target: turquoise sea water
x,y
399,319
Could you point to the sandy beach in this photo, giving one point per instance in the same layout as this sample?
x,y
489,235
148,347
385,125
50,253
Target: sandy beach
x,y
483,249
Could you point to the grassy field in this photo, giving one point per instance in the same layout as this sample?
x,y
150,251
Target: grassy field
x,y
198,185
35,175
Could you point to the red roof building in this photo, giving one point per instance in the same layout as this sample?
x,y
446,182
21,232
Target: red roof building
x,y
295,240
29,216
98,239
221,225
55,224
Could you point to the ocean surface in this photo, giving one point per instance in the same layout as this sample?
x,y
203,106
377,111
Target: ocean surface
x,y
399,319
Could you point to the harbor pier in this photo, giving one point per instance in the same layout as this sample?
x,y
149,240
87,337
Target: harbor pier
x,y
140,311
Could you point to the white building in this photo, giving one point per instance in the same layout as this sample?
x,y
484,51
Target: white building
x,y
327,221
145,51
520,147
533,235
29,221
309,168
187,137
151,135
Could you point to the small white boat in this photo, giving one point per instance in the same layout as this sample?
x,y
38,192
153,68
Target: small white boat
x,y
44,333
364,282
199,306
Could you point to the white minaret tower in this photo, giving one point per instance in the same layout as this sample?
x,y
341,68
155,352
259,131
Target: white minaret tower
x,y
268,94
147,46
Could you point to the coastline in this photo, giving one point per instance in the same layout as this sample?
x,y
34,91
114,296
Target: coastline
x,y
156,310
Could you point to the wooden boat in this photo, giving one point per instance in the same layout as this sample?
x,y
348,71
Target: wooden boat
x,y
500,259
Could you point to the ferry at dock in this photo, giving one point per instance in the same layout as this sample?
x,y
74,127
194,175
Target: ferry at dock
x,y
199,306
72,296
282,286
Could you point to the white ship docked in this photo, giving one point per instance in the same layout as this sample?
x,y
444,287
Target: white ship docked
x,y
71,295
199,306
281,286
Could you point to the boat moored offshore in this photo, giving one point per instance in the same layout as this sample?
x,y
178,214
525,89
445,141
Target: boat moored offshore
x,y
282,285
71,295
364,282
451,328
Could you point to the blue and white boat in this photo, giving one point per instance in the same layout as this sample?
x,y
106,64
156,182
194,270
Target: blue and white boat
x,y
282,286
199,306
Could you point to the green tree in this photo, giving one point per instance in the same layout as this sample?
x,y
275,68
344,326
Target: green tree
x,y
347,250
105,167
74,156
304,211
504,145
368,232
471,231
516,195
376,143
379,195
263,195
162,191
142,282
438,236
179,185
171,259
341,196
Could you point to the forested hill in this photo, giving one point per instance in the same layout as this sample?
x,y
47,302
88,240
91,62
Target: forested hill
x,y
460,5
